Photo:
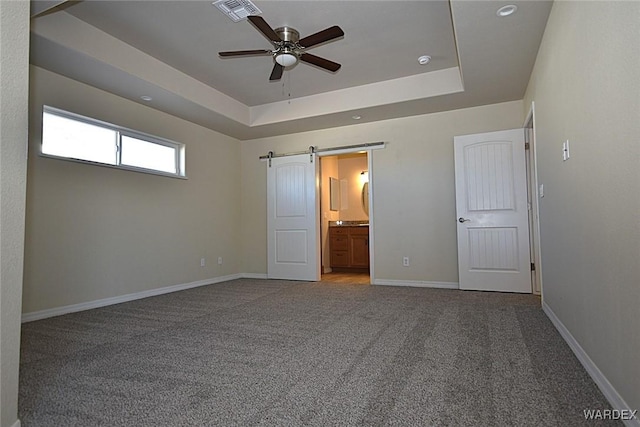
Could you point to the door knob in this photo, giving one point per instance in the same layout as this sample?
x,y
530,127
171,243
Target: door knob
x,y
461,220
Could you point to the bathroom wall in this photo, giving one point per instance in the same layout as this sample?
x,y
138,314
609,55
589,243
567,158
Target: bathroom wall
x,y
328,169
350,167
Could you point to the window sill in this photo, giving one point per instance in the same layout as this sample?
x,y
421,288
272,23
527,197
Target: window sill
x,y
121,167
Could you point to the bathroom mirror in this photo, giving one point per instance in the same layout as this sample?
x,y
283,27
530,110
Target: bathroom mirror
x,y
334,194
365,198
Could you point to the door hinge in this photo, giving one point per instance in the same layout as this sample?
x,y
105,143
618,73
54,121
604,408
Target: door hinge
x,y
533,267
526,145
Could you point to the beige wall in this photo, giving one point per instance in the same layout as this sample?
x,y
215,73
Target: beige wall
x,y
586,88
412,184
14,85
95,232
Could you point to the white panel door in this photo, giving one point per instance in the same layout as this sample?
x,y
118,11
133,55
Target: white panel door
x,y
292,218
492,215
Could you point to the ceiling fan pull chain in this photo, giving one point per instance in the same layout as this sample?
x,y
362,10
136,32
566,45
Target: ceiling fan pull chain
x,y
289,87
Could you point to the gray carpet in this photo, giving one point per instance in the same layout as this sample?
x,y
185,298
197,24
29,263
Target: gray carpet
x,y
258,352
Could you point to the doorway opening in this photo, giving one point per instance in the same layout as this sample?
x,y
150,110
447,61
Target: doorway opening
x,y
345,218
533,195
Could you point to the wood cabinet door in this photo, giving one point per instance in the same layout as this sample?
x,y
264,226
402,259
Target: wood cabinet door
x,y
359,245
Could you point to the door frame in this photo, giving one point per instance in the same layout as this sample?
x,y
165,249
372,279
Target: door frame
x,y
534,201
369,154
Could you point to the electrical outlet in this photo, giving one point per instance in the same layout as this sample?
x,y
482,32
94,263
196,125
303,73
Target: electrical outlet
x,y
405,261
202,263
219,260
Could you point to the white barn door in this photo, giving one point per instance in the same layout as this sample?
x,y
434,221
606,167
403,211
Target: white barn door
x,y
292,218
492,212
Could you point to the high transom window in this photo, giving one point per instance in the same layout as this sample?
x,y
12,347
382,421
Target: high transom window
x,y
73,137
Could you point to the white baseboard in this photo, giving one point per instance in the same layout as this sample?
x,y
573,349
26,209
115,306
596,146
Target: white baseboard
x,y
59,311
607,389
416,283
16,424
253,275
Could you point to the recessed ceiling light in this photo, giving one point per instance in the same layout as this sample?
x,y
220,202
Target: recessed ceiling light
x,y
507,10
146,98
424,59
356,117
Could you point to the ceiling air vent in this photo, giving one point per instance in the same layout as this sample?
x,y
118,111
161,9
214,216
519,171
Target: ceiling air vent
x,y
237,9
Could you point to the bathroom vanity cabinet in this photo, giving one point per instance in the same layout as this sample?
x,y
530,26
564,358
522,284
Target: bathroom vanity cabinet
x,y
349,246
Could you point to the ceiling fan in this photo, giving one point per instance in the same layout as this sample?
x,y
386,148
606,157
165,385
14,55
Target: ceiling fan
x,y
289,47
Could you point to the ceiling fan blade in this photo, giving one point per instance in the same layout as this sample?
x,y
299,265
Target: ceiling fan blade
x,y
321,36
320,62
264,28
276,73
245,52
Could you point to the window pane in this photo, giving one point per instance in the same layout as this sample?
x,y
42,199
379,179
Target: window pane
x,y
148,155
77,140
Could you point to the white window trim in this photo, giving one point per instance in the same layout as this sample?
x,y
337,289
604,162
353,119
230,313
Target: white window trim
x,y
121,131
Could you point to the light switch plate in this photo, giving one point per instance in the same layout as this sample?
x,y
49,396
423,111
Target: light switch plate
x,y
565,151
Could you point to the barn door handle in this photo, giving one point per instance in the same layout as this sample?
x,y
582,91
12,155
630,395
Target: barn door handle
x,y
462,220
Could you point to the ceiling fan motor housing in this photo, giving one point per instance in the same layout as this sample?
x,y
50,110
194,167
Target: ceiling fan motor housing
x,y
288,34
287,53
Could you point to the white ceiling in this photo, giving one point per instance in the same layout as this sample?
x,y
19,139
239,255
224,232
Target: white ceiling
x,y
168,50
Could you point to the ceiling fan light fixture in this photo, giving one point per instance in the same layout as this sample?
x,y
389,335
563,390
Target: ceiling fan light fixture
x,y
286,59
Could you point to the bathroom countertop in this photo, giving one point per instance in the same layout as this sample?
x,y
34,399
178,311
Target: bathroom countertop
x,y
348,223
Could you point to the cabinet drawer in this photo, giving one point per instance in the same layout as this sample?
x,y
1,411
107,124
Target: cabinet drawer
x,y
336,231
339,243
359,231
339,258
